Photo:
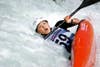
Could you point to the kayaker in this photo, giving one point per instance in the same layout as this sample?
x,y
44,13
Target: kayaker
x,y
42,27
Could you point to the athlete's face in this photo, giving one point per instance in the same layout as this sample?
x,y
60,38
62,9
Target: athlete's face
x,y
43,27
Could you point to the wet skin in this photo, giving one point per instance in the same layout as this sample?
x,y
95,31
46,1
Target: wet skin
x,y
43,27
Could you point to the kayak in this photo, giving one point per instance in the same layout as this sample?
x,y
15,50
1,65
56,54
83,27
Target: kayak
x,y
80,45
83,46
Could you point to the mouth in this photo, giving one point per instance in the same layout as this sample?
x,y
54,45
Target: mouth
x,y
46,29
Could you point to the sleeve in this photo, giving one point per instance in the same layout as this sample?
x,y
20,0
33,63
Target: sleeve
x,y
64,25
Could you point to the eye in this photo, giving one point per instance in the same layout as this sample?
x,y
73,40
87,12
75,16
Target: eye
x,y
40,26
44,23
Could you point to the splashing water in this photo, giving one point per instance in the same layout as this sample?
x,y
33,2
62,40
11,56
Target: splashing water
x,y
21,47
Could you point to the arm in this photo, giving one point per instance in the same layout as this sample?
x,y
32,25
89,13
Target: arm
x,y
65,24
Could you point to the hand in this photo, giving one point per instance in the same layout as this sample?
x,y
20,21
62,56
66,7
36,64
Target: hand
x,y
67,19
75,20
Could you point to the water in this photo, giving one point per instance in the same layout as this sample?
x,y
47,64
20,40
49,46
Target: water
x,y
21,47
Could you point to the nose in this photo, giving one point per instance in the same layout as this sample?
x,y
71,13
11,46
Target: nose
x,y
43,26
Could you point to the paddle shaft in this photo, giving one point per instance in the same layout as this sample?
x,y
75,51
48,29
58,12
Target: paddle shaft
x,y
85,3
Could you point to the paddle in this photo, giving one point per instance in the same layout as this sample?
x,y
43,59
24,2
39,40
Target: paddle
x,y
85,3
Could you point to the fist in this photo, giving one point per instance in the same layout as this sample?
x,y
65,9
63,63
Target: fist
x,y
75,20
67,19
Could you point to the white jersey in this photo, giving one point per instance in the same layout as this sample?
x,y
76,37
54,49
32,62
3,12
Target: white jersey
x,y
62,37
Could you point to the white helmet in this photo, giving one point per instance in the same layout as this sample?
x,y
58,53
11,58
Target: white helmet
x,y
37,21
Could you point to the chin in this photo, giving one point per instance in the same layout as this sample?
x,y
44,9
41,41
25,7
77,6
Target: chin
x,y
47,32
